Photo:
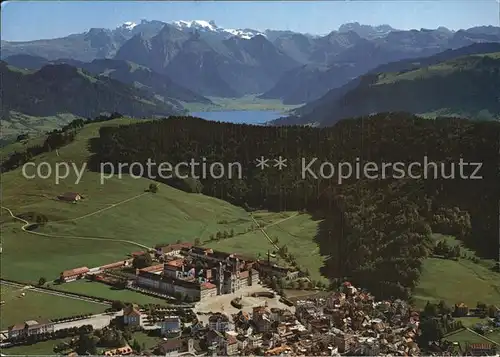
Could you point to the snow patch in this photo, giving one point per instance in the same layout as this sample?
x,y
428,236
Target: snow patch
x,y
210,26
129,25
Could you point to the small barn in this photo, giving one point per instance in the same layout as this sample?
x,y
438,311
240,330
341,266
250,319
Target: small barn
x,y
70,197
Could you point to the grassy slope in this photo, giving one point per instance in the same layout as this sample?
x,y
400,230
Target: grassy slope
x,y
35,305
248,102
22,123
440,69
444,279
163,217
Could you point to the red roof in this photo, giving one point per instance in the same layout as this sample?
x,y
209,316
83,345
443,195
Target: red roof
x,y
207,285
231,340
136,254
76,271
175,263
244,274
114,265
481,346
177,246
153,268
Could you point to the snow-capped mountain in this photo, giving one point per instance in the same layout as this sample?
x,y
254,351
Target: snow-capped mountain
x,y
210,26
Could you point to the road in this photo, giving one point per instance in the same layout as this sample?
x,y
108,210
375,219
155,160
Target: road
x,y
55,293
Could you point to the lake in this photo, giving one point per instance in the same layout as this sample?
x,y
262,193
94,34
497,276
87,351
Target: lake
x,y
240,116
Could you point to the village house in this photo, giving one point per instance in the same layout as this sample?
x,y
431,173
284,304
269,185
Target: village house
x,y
132,316
29,328
231,345
262,318
175,249
73,274
175,346
461,310
220,322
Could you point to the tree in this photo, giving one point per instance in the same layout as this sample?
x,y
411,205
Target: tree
x,y
153,188
136,346
430,310
444,308
431,331
492,310
117,305
197,242
42,281
87,344
142,261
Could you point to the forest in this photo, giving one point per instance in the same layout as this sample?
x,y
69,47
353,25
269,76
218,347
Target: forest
x,y
377,231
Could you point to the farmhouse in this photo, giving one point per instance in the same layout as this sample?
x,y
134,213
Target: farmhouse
x,y
73,274
30,328
70,197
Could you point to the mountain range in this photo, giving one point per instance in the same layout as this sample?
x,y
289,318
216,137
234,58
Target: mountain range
x,y
154,68
61,88
278,64
463,82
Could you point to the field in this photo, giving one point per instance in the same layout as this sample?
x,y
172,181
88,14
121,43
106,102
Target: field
x,y
36,305
107,292
457,281
248,102
297,234
45,348
465,336
149,341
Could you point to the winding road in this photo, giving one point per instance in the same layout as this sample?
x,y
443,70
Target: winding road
x,y
98,238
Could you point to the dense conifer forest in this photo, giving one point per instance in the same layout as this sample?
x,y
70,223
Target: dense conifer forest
x,y
377,231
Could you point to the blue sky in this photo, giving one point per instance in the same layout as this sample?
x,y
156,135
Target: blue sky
x,y
29,20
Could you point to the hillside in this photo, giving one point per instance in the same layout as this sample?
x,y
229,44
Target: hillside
x,y
72,239
212,67
56,89
123,71
464,86
337,58
343,208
